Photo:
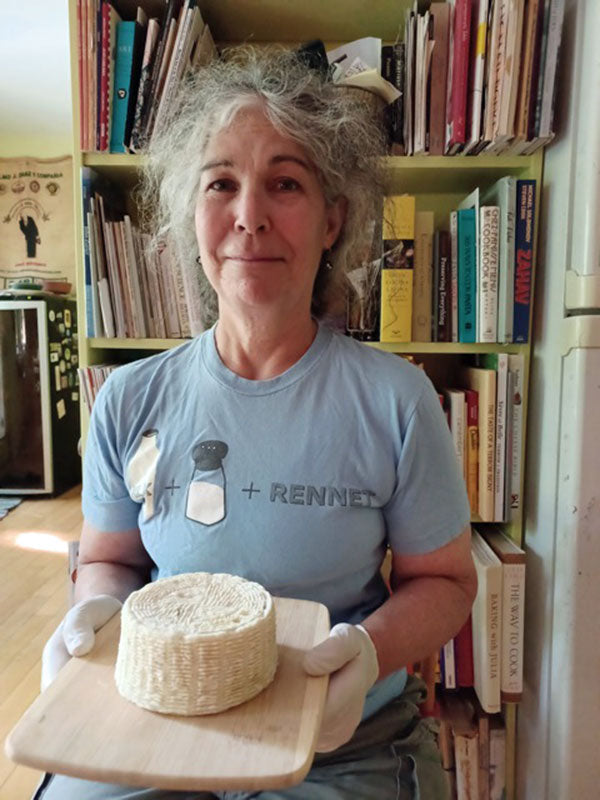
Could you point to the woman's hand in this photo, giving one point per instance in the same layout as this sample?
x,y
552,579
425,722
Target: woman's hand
x,y
349,656
76,634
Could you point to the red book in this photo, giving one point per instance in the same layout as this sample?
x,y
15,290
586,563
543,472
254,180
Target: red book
x,y
104,76
458,78
463,654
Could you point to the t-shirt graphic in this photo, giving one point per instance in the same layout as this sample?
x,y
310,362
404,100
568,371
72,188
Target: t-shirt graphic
x,y
141,472
206,492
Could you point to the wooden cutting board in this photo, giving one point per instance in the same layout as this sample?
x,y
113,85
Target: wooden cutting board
x,y
81,725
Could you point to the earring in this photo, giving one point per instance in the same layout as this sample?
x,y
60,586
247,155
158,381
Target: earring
x,y
198,261
326,260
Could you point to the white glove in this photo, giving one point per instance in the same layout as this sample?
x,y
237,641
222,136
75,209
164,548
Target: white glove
x,y
76,634
349,656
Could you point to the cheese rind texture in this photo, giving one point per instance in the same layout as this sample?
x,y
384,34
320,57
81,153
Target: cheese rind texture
x,y
196,643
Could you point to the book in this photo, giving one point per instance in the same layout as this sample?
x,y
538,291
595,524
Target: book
x,y
128,64
554,37
448,665
459,712
422,277
516,368
110,20
152,37
463,652
487,624
454,275
524,238
482,720
457,413
440,14
499,363
503,194
458,77
397,266
483,381
472,448
442,294
497,734
527,82
477,57
487,285
467,272
513,612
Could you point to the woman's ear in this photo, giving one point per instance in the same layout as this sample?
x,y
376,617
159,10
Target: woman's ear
x,y
336,216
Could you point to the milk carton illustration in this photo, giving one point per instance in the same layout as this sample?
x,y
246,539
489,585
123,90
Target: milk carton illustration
x,y
141,472
206,492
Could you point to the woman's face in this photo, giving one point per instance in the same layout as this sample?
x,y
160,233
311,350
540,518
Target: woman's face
x,y
261,218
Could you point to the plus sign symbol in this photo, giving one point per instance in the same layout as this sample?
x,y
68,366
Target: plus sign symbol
x,y
250,489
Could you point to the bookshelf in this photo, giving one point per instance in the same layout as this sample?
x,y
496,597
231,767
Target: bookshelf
x,y
439,183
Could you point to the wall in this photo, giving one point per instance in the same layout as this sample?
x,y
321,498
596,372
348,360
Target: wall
x,y
36,118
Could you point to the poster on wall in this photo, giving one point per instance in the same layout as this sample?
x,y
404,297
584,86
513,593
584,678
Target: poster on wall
x,y
36,220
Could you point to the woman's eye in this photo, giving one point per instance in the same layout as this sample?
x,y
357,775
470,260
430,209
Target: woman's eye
x,y
287,184
221,185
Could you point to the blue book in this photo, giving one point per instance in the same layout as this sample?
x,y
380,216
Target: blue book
x,y
524,233
467,270
128,64
87,180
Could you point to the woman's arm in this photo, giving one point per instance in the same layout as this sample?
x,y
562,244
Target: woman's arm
x,y
114,563
432,595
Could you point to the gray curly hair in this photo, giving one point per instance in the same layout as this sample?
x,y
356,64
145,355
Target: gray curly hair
x,y
334,125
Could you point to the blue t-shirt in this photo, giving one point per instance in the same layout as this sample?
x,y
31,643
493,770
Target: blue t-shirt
x,y
298,482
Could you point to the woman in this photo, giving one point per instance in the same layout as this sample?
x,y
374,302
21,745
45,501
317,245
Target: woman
x,y
271,447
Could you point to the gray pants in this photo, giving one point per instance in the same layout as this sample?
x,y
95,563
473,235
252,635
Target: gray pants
x,y
392,756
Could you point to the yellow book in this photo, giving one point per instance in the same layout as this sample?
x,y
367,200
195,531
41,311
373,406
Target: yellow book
x,y
423,277
397,267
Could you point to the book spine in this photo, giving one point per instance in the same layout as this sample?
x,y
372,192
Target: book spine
x,y
466,275
555,25
444,290
104,75
435,289
439,78
454,275
516,367
136,143
524,233
123,67
488,278
476,73
397,269
513,625
449,665
500,449
487,635
467,766
497,764
463,651
422,277
456,129
86,193
506,265
472,402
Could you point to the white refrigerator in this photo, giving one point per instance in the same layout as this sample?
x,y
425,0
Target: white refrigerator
x,y
558,729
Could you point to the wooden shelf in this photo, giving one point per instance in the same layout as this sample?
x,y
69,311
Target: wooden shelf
x,y
438,348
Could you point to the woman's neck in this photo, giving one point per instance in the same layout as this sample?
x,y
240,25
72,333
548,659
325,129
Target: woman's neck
x,y
259,349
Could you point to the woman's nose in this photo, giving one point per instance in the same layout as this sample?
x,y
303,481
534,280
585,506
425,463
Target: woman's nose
x,y
251,213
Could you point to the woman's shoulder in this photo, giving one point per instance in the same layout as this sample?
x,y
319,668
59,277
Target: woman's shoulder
x,y
377,364
163,367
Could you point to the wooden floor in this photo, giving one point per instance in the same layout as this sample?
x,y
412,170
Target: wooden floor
x,y
33,600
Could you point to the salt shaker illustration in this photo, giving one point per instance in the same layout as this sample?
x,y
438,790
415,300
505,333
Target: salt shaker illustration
x,y
206,492
141,472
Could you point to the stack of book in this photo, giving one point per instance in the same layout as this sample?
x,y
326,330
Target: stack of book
x,y
471,283
472,745
130,69
485,415
476,76
131,292
91,379
487,654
